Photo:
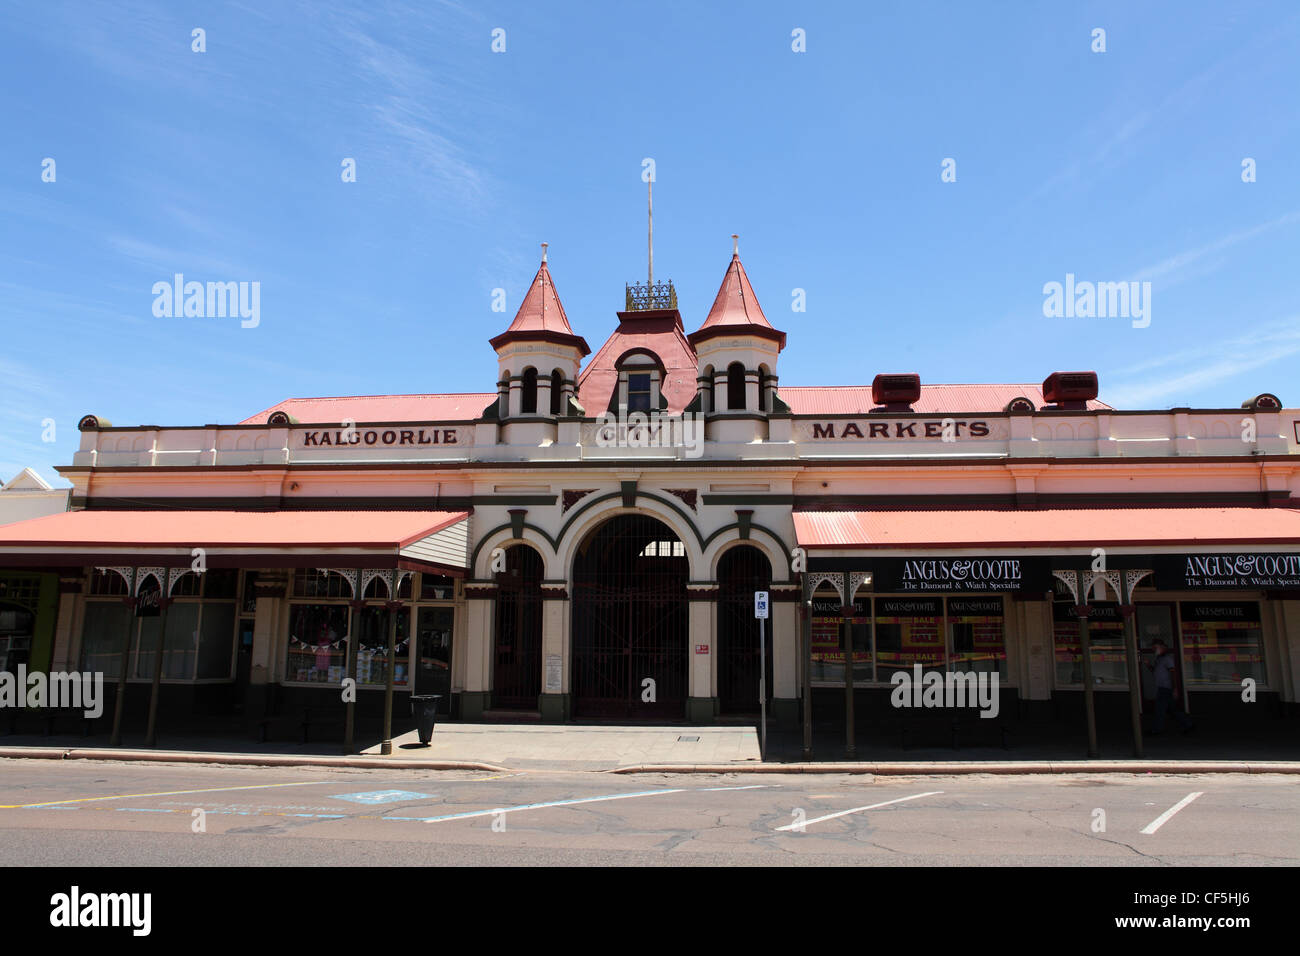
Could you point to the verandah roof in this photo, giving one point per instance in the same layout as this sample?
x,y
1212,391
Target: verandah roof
x,y
415,540
1046,528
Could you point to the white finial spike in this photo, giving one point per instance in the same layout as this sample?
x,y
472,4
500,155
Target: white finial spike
x,y
735,244
544,245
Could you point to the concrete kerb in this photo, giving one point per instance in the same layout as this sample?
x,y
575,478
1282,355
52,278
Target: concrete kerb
x,y
939,768
917,768
245,760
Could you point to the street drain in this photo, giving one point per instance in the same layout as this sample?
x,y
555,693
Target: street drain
x,y
688,740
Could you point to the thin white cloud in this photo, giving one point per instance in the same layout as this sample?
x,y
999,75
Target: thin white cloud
x,y
1169,270
1196,368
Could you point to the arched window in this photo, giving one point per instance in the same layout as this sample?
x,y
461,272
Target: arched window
x,y
528,398
557,391
735,386
764,383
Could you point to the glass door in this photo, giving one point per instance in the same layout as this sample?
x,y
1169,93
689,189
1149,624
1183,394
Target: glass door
x,y
1156,621
433,654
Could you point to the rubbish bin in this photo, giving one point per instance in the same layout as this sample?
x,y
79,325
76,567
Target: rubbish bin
x,y
424,708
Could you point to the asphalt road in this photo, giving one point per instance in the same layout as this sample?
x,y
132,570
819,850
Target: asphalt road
x,y
76,813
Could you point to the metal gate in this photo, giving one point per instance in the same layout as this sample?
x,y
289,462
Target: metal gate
x,y
630,621
517,674
741,571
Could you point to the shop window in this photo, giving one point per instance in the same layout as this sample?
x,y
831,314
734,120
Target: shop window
x,y
436,587
528,394
1105,637
735,386
827,662
106,582
320,584
1223,643
16,630
105,627
908,632
189,584
180,647
318,643
220,583
372,645
978,635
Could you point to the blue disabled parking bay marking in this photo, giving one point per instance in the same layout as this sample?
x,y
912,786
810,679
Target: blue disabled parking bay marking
x,y
372,797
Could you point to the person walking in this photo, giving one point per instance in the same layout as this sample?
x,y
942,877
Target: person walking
x,y
1165,677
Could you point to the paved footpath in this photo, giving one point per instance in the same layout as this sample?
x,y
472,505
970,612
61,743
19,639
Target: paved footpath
x,y
636,749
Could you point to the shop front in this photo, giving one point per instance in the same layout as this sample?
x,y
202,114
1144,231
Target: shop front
x,y
201,614
1094,604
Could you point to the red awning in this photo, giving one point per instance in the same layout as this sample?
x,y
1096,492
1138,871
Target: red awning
x,y
1048,528
378,539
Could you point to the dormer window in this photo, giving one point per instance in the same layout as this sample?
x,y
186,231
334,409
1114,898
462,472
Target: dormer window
x,y
638,392
640,379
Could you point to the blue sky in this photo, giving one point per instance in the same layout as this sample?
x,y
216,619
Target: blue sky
x,y
225,166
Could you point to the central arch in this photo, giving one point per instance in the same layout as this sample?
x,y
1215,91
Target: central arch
x,y
630,621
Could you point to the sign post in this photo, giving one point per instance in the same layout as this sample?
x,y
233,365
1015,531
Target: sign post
x,y
760,611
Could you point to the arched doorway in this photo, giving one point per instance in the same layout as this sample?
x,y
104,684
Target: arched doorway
x,y
517,652
741,571
630,621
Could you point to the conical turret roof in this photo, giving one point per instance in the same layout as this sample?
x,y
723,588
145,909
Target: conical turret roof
x,y
736,310
541,317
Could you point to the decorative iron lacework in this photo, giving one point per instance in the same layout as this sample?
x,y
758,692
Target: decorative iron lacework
x,y
687,495
641,298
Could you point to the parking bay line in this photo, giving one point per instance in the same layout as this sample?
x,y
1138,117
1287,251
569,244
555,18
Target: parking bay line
x,y
570,803
842,813
1161,820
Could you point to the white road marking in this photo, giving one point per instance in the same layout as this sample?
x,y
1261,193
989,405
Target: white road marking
x,y
1161,820
553,803
570,803
842,813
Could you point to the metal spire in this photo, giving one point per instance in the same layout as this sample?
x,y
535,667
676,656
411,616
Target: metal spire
x,y
544,245
650,209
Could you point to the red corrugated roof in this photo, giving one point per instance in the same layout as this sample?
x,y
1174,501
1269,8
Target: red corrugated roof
x,y
1047,528
856,399
659,332
460,406
228,529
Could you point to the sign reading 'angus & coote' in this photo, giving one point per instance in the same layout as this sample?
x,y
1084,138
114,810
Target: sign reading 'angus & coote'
x,y
1188,572
961,574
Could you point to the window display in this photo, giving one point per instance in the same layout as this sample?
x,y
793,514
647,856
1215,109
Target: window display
x,y
1222,643
318,643
908,632
978,635
1105,638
